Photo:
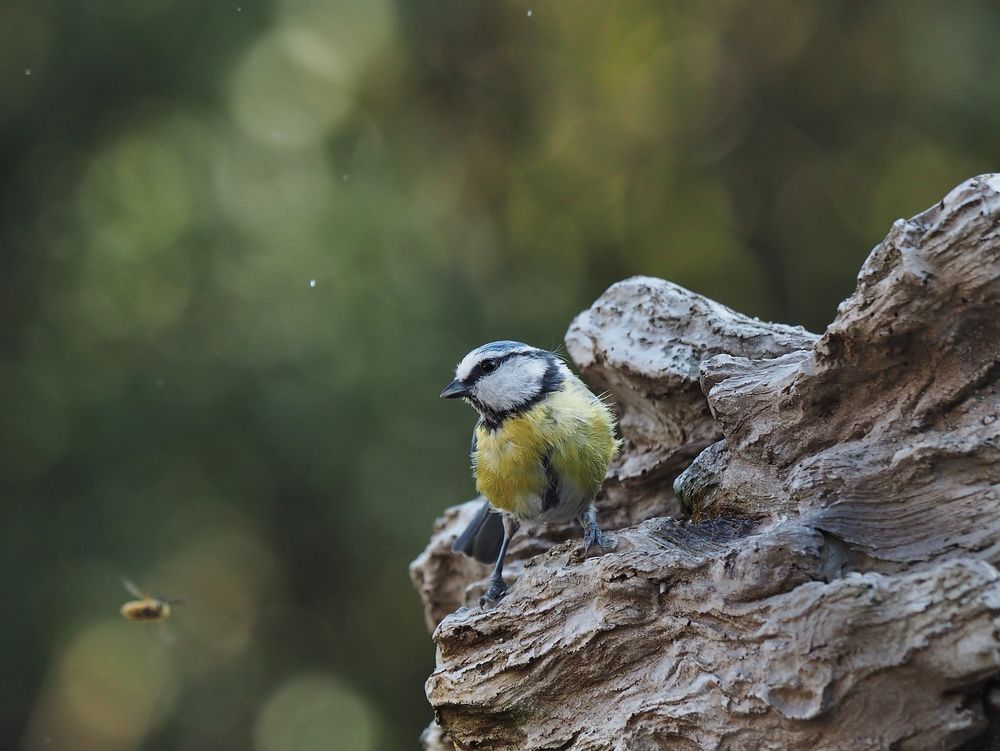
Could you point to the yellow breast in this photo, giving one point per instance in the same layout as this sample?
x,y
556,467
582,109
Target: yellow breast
x,y
571,427
508,462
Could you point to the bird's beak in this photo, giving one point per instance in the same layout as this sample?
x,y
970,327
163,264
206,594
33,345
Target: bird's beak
x,y
454,390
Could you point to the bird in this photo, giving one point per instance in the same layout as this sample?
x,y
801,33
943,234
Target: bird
x,y
540,449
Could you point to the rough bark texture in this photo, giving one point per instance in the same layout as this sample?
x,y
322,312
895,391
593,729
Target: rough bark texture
x,y
643,341
837,586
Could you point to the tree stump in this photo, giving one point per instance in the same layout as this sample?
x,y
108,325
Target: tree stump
x,y
808,527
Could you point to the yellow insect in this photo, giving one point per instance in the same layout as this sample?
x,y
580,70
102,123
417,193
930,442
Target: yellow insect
x,y
145,608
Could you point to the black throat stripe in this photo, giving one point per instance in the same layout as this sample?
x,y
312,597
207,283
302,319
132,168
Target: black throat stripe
x,y
551,381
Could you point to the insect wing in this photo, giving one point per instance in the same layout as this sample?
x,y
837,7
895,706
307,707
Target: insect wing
x,y
132,589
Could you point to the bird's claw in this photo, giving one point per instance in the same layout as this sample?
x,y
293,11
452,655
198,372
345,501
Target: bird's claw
x,y
595,536
496,592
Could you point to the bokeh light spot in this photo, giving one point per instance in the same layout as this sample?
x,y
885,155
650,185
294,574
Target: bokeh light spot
x,y
114,684
299,92
220,577
315,713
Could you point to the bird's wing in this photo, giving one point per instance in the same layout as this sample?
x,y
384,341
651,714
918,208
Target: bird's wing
x,y
550,499
482,537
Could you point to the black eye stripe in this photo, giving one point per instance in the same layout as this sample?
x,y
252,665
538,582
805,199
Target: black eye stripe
x,y
480,370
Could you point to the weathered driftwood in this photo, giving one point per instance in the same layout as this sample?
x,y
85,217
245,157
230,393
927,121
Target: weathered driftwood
x,y
837,587
643,341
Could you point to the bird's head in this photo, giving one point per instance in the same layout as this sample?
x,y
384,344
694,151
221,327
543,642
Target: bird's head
x,y
503,378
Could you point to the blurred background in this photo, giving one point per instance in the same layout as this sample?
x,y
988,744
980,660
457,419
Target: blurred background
x,y
244,244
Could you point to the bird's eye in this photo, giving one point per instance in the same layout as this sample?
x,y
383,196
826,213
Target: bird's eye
x,y
488,366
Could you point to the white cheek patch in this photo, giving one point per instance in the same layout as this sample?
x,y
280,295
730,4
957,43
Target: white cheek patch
x,y
516,381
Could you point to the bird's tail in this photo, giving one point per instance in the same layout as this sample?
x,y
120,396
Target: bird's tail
x,y
482,538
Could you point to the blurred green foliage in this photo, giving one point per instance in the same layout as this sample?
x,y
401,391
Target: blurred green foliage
x,y
244,244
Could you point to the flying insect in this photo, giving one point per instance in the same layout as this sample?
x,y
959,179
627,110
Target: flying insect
x,y
144,607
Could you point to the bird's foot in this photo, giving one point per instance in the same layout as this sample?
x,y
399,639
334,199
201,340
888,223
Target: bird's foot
x,y
496,592
595,536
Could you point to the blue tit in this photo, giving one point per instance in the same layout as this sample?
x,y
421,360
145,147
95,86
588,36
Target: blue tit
x,y
540,450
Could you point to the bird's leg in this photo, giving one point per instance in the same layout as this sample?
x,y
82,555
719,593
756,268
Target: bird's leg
x,y
497,588
592,533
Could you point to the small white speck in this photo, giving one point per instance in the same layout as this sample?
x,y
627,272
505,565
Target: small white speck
x,y
529,13
159,381
312,282
27,71
239,8
344,176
